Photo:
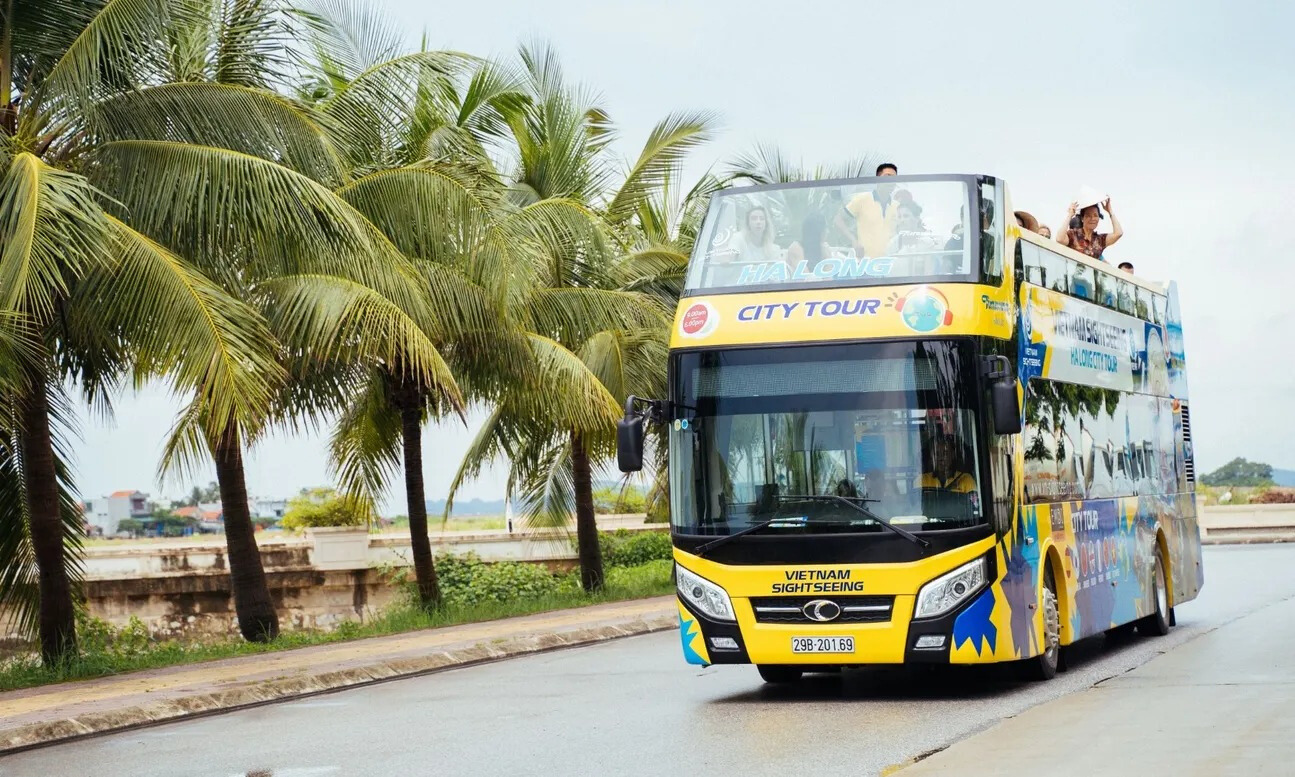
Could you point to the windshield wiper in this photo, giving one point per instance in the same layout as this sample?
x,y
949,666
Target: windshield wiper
x,y
906,534
701,550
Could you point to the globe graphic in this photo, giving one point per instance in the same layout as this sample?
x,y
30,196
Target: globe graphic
x,y
923,314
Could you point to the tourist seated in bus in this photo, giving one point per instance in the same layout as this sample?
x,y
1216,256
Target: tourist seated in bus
x,y
1085,238
1026,220
812,247
947,471
1127,267
911,234
754,243
887,168
1046,231
874,214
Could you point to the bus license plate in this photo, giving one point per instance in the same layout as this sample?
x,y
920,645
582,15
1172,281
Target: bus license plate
x,y
822,644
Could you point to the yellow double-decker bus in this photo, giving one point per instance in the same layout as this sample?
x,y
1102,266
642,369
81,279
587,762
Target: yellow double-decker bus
x,y
904,429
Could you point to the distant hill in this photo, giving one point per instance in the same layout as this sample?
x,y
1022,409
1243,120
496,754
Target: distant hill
x,y
467,507
1284,477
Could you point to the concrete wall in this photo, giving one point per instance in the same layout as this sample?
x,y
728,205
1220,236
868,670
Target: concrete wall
x,y
1240,523
182,588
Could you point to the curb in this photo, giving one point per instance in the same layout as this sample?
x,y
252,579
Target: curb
x,y
36,735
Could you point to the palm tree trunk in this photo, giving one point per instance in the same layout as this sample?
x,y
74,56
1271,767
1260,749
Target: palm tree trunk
x,y
429,588
40,476
257,620
591,555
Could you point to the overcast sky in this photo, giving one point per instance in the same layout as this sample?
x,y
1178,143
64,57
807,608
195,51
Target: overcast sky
x,y
1182,112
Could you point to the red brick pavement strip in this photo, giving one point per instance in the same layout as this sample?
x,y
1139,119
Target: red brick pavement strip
x,y
34,717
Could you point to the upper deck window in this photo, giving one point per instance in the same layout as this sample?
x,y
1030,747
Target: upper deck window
x,y
886,231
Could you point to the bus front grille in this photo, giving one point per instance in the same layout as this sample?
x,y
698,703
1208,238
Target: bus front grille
x,y
801,609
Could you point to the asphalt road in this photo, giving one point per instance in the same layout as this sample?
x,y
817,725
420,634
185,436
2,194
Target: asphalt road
x,y
633,707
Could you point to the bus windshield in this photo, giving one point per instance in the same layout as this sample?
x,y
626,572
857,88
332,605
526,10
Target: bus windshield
x,y
850,234
764,433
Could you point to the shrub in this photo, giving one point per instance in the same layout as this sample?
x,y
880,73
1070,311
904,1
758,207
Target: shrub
x,y
100,638
321,507
623,548
467,580
617,501
1274,496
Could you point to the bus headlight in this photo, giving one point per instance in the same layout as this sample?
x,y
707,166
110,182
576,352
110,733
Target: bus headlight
x,y
950,589
704,595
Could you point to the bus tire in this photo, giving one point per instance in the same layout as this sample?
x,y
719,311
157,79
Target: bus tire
x,y
1044,666
1157,623
779,674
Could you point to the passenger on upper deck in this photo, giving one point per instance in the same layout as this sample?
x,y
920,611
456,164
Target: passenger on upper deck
x,y
874,216
1045,230
812,247
1085,239
754,243
1127,267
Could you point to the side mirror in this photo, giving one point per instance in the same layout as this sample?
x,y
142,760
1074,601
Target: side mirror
x,y
629,443
1002,395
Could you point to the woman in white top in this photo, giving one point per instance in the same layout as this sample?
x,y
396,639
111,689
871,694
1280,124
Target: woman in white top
x,y
754,244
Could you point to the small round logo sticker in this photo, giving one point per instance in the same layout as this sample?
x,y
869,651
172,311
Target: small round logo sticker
x,y
698,320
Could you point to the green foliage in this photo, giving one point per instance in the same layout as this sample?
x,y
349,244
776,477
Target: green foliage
x,y
467,580
624,548
618,501
1240,472
100,637
317,507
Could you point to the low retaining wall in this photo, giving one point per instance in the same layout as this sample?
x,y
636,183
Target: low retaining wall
x,y
1240,523
182,589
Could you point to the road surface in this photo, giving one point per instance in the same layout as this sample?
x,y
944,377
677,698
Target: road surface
x,y
633,707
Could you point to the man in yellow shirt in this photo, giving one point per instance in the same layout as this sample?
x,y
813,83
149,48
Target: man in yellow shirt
x,y
875,214
946,472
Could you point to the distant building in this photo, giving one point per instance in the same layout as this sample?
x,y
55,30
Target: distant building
x,y
263,507
106,513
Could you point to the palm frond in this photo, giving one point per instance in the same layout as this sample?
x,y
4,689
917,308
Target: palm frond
x,y
251,44
340,320
365,447
565,394
663,154
491,442
627,362
182,326
125,42
349,37
251,121
546,485
572,315
51,230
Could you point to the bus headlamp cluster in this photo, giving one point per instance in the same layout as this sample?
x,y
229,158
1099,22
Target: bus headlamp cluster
x,y
950,589
711,600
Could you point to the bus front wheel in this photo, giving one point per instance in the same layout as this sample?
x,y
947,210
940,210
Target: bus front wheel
x,y
1157,623
1044,666
779,674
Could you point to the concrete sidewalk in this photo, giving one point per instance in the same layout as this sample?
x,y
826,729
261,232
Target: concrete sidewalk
x,y
1222,704
36,716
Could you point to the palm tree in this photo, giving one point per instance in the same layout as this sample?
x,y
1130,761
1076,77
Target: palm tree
x,y
417,129
97,296
596,311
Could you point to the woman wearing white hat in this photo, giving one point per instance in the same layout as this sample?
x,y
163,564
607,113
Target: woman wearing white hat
x,y
1085,239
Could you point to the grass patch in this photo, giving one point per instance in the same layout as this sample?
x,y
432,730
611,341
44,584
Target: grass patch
x,y
108,652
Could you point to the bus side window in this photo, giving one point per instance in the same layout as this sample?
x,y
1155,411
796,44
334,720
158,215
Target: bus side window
x,y
1082,282
1124,296
1142,303
991,235
1054,271
1032,262
1105,289
1158,305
